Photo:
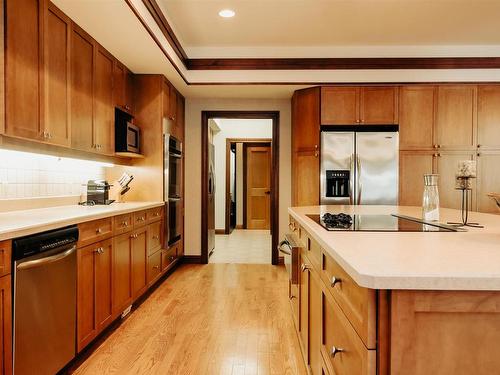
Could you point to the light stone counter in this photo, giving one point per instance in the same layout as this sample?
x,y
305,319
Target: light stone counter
x,y
412,260
22,223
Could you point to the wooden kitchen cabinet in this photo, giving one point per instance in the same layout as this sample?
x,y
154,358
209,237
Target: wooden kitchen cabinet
x,y
306,120
122,87
303,326
488,117
104,114
172,105
122,261
139,256
154,267
379,105
315,318
94,291
487,182
455,116
6,325
412,167
340,105
416,117
305,178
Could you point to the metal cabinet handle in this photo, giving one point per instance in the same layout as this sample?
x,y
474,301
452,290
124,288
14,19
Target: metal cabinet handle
x,y
124,224
157,214
171,257
316,151
133,235
336,351
99,250
42,261
156,267
304,267
98,230
335,280
140,218
156,237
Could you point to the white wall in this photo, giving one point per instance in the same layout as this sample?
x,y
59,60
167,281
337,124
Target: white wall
x,y
232,128
194,107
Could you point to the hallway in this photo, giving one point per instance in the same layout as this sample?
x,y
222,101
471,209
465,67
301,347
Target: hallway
x,y
211,319
243,246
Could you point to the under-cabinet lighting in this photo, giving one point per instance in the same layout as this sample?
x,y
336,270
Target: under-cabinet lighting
x,y
227,13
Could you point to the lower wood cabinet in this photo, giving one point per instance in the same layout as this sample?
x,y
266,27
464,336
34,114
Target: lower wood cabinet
x,y
305,175
122,260
5,325
139,245
94,290
154,267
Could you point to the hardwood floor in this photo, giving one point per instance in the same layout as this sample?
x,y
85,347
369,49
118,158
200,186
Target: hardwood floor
x,y
206,319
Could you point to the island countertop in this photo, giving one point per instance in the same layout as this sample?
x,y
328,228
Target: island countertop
x,y
412,260
22,223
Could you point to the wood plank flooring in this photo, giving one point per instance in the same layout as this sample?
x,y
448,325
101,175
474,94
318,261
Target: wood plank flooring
x,y
206,319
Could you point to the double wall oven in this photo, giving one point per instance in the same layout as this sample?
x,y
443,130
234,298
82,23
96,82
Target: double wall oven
x,y
172,189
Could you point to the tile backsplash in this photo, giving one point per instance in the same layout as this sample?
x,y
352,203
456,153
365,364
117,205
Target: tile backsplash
x,y
25,175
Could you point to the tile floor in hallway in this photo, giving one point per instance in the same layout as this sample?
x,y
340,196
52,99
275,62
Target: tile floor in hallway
x,y
243,246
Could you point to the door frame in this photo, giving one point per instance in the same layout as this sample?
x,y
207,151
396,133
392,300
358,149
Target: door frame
x,y
252,115
229,142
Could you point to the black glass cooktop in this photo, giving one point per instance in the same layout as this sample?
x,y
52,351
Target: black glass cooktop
x,y
383,223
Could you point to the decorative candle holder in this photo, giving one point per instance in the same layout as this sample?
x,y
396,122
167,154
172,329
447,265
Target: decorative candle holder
x,y
464,184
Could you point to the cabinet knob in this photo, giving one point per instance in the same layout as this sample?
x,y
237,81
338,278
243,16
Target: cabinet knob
x,y
124,224
99,250
336,351
335,280
171,257
98,230
478,154
358,121
157,214
156,237
140,218
133,235
156,267
304,267
478,146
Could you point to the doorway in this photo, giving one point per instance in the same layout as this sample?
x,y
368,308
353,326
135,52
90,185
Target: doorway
x,y
250,198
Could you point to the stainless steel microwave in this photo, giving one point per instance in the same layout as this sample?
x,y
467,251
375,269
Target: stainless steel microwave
x,y
127,137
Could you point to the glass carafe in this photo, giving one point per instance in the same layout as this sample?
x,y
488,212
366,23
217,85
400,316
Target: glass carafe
x,y
430,199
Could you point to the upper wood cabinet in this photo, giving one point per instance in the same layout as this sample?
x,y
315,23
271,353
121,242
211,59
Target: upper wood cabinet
x,y
172,107
455,120
488,117
104,114
122,87
179,122
371,105
23,61
416,117
306,119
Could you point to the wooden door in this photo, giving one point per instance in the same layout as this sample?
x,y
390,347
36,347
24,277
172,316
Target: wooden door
x,y
306,120
447,164
340,105
24,57
315,322
488,117
86,319
303,326
455,116
122,288
488,180
103,284
305,178
139,261
119,73
82,90
258,186
416,117
57,76
379,105
6,325
104,113
412,167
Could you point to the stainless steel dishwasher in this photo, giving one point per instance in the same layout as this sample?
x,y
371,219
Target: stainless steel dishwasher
x,y
44,301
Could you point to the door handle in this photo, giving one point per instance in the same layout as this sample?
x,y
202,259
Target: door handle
x,y
42,261
358,183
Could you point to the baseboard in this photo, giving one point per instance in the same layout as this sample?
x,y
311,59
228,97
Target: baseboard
x,y
281,260
220,231
191,259
240,226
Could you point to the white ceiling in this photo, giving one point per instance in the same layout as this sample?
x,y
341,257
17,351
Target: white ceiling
x,y
285,24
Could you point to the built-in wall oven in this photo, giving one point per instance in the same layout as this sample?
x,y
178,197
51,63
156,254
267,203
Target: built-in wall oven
x,y
173,189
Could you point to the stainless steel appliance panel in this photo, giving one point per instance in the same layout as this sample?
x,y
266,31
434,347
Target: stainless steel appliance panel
x,y
377,163
211,198
172,184
337,154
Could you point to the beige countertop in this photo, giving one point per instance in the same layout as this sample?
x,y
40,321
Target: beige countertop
x,y
22,223
412,260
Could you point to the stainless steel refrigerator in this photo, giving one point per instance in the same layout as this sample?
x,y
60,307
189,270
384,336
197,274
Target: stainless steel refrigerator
x,y
359,167
211,198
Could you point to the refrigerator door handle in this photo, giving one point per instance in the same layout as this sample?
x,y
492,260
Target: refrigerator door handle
x,y
351,178
359,186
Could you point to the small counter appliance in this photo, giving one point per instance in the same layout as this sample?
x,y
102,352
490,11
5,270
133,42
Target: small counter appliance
x,y
98,192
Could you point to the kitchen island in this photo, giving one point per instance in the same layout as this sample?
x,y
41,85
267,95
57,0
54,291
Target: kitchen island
x,y
397,302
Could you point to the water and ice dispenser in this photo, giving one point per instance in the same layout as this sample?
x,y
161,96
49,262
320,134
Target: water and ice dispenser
x,y
337,183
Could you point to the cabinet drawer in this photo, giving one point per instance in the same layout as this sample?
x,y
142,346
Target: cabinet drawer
x,y
5,256
123,223
154,214
343,351
94,231
154,237
169,256
358,304
139,218
154,267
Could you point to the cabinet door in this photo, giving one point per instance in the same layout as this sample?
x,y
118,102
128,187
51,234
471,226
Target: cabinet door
x,y
57,78
416,117
180,118
305,183
6,325
139,261
339,105
488,117
412,167
82,90
129,91
305,120
315,327
103,284
119,72
122,288
455,116
488,180
172,107
447,164
24,27
86,319
104,113
304,307
379,105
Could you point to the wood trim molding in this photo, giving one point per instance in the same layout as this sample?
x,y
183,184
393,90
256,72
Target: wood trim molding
x,y
275,117
220,231
191,259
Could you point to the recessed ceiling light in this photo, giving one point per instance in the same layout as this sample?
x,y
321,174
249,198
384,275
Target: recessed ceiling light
x,y
227,13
